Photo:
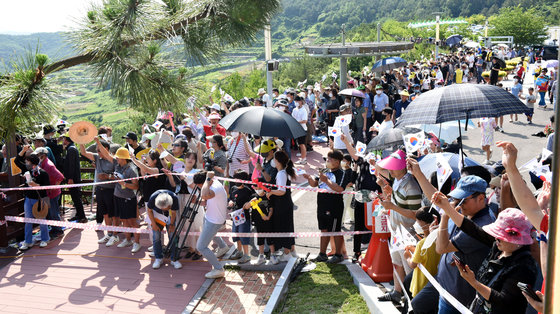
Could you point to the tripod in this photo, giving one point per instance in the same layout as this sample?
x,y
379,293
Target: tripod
x,y
189,213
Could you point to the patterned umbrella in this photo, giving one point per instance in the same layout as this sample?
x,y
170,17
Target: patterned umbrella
x,y
460,102
388,64
352,92
390,138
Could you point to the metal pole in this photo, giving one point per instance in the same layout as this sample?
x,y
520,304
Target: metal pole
x,y
437,35
553,264
268,57
378,39
343,62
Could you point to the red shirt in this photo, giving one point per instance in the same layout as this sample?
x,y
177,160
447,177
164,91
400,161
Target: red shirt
x,y
55,177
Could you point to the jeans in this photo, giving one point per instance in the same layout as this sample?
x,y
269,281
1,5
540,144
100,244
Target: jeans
x,y
541,101
156,240
54,213
208,233
287,146
446,308
426,301
28,208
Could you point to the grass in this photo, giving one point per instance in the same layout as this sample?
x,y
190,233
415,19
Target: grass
x,y
326,289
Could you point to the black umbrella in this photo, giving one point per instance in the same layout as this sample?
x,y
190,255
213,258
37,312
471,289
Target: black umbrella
x,y
453,40
388,64
460,102
263,121
390,138
500,62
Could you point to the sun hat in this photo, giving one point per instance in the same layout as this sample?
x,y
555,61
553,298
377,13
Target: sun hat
x,y
41,150
404,92
361,87
122,153
344,108
261,92
495,181
511,226
395,161
146,137
378,87
214,116
265,147
369,86
215,107
279,143
467,186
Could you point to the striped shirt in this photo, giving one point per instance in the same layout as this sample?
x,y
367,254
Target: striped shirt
x,y
407,195
237,148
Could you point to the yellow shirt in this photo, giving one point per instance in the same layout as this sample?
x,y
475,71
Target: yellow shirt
x,y
427,257
459,76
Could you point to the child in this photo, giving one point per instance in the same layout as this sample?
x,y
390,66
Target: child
x,y
261,220
239,196
487,126
530,101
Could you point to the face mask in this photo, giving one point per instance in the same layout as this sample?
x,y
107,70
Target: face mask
x,y
260,192
330,94
348,103
344,164
273,163
515,81
418,228
378,92
416,90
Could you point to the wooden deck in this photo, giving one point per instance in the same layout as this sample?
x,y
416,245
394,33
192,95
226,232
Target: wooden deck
x,y
75,274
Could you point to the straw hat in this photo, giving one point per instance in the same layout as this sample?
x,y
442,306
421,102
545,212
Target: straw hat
x,y
82,132
40,209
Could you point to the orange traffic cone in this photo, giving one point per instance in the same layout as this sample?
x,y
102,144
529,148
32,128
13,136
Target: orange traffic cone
x,y
377,262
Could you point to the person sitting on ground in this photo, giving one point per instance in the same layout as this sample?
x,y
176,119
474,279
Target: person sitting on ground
x,y
162,210
214,193
330,207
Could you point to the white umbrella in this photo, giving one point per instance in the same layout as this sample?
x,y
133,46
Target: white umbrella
x,y
471,44
446,131
551,64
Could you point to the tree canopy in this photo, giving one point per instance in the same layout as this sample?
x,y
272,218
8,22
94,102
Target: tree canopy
x,y
527,26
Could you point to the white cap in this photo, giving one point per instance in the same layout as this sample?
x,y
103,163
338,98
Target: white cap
x,y
215,107
279,143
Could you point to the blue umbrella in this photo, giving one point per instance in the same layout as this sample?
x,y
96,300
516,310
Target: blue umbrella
x,y
428,164
388,64
453,40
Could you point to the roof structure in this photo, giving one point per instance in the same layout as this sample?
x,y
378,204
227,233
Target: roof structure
x,y
358,49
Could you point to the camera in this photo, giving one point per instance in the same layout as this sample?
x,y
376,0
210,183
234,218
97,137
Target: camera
x,y
208,164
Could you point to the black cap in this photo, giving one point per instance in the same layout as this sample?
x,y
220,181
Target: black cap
x,y
131,135
48,129
297,98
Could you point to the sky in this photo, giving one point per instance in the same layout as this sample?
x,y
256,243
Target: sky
x,y
34,16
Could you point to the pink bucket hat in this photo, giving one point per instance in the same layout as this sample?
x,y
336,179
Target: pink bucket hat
x,y
214,116
395,161
511,226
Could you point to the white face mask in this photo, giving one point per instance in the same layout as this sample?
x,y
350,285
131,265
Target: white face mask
x,y
378,92
273,163
260,192
515,81
109,138
330,94
347,103
417,228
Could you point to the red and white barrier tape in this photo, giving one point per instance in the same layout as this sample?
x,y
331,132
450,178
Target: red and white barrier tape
x,y
94,226
76,185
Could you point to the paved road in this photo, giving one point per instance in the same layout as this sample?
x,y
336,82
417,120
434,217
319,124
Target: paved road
x,y
517,132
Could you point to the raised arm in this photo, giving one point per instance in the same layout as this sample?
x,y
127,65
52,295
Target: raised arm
x,y
103,152
143,167
85,153
427,188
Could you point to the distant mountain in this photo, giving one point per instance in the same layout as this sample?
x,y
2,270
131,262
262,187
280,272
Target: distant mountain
x,y
52,44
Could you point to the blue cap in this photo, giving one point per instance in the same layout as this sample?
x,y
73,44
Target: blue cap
x,y
467,186
416,85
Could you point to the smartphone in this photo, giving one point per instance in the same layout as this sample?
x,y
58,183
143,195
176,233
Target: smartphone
x,y
529,291
458,261
239,160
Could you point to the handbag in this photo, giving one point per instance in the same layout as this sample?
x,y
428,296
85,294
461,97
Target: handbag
x,y
41,207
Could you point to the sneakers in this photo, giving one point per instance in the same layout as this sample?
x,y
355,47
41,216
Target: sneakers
x,y
25,246
114,239
392,296
43,244
157,263
196,257
104,239
152,254
301,162
125,243
151,248
176,264
261,260
237,255
284,257
222,251
322,257
135,247
244,259
335,259
215,273
274,259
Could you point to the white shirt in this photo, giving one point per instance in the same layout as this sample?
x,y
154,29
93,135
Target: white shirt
x,y
282,180
385,125
216,207
338,143
300,114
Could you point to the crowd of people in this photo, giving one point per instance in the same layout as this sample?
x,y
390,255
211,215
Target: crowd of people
x,y
485,246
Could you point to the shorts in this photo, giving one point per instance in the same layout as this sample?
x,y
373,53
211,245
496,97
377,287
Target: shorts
x,y
330,220
105,201
262,226
529,112
242,228
302,140
397,258
126,207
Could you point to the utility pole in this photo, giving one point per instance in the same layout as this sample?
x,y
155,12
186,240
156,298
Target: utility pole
x,y
486,34
437,33
268,58
343,62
